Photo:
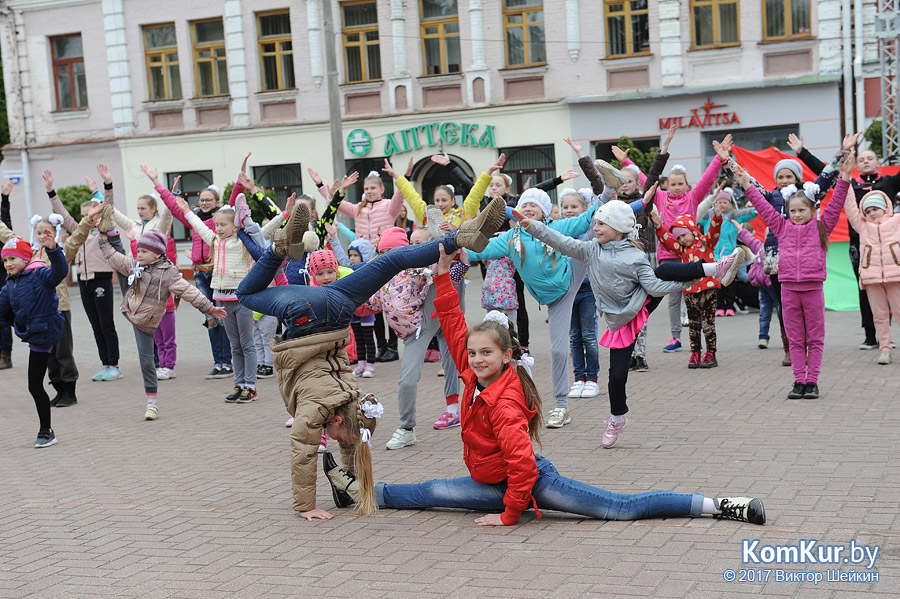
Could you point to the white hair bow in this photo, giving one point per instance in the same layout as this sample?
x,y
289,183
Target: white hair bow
x,y
787,192
34,221
526,362
678,168
811,190
57,221
374,174
634,233
136,273
372,409
452,189
498,317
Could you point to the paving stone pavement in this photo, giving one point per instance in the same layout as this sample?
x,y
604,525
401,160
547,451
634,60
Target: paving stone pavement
x,y
198,503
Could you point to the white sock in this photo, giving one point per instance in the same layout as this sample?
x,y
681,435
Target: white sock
x,y
709,268
453,408
709,507
617,419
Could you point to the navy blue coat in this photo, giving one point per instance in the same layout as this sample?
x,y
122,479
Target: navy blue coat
x,y
28,301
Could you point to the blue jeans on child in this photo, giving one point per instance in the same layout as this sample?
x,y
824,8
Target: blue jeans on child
x,y
306,310
551,491
218,338
768,301
583,335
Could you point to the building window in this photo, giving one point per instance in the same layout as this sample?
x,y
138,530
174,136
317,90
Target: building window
x,y
784,19
161,51
627,27
283,179
210,67
529,162
523,21
440,37
68,72
715,23
192,183
362,55
276,51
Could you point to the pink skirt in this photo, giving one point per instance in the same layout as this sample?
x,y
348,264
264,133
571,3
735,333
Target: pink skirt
x,y
625,336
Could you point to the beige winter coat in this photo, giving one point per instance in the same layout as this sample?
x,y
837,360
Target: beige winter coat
x,y
315,379
145,302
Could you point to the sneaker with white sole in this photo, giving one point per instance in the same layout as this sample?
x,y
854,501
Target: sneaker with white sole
x,y
113,373
323,442
289,422
612,177
577,388
45,438
727,268
447,420
885,357
558,418
152,412
762,343
162,374
742,509
673,346
100,375
613,430
591,389
433,219
401,438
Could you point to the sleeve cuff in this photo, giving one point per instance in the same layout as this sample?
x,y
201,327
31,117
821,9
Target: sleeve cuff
x,y
510,517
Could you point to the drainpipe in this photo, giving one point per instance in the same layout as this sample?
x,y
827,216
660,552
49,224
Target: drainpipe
x,y
858,65
848,66
26,177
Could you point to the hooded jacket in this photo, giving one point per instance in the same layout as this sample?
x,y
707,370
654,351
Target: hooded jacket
x,y
28,301
315,379
879,244
702,250
801,257
496,445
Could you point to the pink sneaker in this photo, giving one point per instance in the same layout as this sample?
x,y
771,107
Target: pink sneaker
x,y
729,312
447,420
727,267
360,368
720,312
613,429
323,444
369,371
289,422
432,355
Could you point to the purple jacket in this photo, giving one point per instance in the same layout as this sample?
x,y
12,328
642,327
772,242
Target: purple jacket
x,y
801,258
756,273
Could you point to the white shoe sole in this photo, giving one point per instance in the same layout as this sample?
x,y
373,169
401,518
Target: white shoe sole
x,y
41,446
399,446
587,394
555,425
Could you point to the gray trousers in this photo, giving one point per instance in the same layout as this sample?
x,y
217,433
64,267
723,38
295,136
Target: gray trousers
x,y
146,358
413,357
239,328
676,303
263,330
560,322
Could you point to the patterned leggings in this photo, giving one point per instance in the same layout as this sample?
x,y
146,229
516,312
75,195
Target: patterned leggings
x,y
701,309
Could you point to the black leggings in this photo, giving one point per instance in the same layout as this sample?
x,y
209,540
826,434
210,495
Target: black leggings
x,y
522,313
391,341
365,342
619,364
37,368
97,298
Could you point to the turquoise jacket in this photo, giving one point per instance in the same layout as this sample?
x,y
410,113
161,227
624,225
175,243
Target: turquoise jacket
x,y
728,236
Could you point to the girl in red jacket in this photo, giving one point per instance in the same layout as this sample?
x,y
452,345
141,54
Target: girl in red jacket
x,y
501,415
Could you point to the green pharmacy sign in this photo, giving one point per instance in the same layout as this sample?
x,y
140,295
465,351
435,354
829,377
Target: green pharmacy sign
x,y
414,138
359,142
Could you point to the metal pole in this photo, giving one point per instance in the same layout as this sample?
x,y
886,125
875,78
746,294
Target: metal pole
x,y
334,103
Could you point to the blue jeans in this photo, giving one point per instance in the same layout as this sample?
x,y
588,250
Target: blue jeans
x,y
218,339
768,300
306,310
583,335
551,491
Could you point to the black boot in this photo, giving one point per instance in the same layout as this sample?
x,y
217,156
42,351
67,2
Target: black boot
x,y
67,395
797,390
379,354
343,484
59,391
390,355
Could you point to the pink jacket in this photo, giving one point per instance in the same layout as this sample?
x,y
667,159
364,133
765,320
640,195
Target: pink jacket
x,y
199,249
671,207
757,271
375,217
801,258
879,245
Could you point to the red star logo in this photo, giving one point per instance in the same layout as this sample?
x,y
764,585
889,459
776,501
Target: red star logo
x,y
709,105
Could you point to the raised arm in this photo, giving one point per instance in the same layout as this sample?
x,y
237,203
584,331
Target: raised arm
x,y
68,222
5,215
452,319
574,248
192,294
472,203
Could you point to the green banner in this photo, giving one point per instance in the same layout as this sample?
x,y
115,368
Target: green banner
x,y
841,289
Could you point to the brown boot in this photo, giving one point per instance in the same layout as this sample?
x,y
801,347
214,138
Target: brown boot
x,y
288,240
475,234
5,360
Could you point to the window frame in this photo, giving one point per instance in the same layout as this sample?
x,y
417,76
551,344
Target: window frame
x,y
69,64
165,64
363,45
441,36
279,53
197,47
177,227
788,24
282,192
629,34
524,26
714,5
536,173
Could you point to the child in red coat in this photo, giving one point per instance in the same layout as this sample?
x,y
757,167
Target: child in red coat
x,y
685,240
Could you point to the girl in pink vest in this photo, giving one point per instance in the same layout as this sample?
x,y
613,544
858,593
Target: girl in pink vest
x,y
802,247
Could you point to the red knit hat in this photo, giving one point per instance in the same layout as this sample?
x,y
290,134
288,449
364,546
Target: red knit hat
x,y
321,259
392,238
19,248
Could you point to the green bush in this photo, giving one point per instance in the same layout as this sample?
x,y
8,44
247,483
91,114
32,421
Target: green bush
x,y
873,136
256,213
641,159
73,197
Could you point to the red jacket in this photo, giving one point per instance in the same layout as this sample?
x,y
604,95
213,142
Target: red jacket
x,y
702,250
496,445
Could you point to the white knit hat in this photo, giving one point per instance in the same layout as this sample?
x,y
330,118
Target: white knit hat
x,y
618,215
533,195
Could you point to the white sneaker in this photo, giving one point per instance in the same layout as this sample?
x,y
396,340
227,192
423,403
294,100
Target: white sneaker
x,y
577,389
591,389
558,418
401,438
161,374
885,357
289,422
170,372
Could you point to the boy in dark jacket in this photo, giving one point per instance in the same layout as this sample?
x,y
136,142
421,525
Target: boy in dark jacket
x,y
28,301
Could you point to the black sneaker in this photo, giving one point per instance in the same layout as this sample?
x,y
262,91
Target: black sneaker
x,y
797,391
45,438
641,364
742,509
247,395
811,391
225,372
265,372
214,373
868,344
343,484
633,365
232,397
390,355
